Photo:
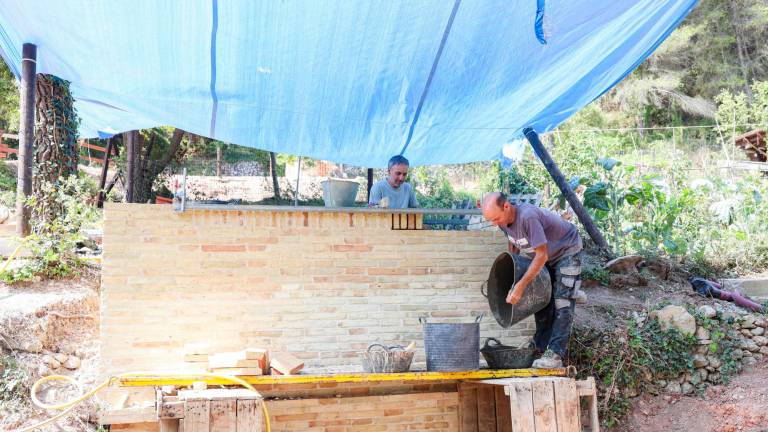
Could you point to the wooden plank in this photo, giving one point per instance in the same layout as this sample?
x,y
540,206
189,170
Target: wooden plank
x,y
521,406
567,406
486,408
217,394
249,416
467,408
171,410
544,406
197,416
169,425
91,159
503,414
586,387
150,380
223,416
92,147
594,421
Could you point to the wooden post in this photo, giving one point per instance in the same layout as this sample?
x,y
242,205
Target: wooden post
x,y
26,136
130,142
370,183
103,179
559,179
218,161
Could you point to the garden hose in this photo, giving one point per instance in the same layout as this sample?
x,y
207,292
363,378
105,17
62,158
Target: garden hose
x,y
10,258
70,405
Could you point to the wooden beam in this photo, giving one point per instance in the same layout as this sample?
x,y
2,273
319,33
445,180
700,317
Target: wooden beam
x,y
26,136
186,380
130,169
562,184
370,183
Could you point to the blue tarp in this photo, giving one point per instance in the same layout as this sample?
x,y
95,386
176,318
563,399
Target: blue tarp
x,y
445,81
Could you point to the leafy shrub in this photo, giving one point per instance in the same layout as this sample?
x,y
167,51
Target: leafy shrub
x,y
52,245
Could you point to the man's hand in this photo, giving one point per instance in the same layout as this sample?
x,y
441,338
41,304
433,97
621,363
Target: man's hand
x,y
516,293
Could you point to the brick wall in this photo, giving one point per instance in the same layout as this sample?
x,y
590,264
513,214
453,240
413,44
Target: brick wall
x,y
320,285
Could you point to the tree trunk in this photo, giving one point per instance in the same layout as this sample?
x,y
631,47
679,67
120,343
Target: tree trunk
x,y
56,153
142,170
273,169
738,26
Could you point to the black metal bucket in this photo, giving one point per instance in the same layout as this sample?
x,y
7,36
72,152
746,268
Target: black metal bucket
x,y
501,356
452,347
507,269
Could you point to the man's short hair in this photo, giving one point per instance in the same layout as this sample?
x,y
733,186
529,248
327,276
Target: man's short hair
x,y
501,199
397,160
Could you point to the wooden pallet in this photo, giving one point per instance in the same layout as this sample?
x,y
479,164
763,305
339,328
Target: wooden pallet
x,y
236,410
527,405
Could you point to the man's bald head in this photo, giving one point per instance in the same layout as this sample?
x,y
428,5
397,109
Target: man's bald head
x,y
497,209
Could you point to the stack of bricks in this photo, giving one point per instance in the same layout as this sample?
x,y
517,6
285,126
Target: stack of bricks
x,y
319,285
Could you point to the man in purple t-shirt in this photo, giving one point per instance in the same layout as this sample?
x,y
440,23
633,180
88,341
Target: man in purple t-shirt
x,y
550,242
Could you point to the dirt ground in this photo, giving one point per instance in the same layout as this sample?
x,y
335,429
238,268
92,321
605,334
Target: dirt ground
x,y
739,406
39,321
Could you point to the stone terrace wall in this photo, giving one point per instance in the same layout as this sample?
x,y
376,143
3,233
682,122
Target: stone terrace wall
x,y
320,285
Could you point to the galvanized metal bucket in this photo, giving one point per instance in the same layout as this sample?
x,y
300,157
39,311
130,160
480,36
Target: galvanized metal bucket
x,y
452,347
507,269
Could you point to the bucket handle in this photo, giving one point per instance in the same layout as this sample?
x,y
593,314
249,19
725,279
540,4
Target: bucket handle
x,y
377,345
479,317
488,343
483,289
422,320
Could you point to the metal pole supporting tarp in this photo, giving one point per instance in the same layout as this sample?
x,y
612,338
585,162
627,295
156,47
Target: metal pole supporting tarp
x,y
26,136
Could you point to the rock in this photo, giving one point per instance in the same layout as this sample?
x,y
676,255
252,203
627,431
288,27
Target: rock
x,y
646,375
695,379
758,331
659,266
699,361
714,362
760,321
702,333
72,363
5,213
746,333
687,388
760,340
627,280
748,322
625,264
709,369
703,374
60,357
764,350
729,316
32,346
677,317
661,383
703,349
673,387
714,378
707,311
752,346
737,354
748,361
630,392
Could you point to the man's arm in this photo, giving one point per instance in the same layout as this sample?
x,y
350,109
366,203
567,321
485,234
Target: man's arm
x,y
539,260
412,202
375,195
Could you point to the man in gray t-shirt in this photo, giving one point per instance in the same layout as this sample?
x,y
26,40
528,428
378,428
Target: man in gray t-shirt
x,y
551,243
393,191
